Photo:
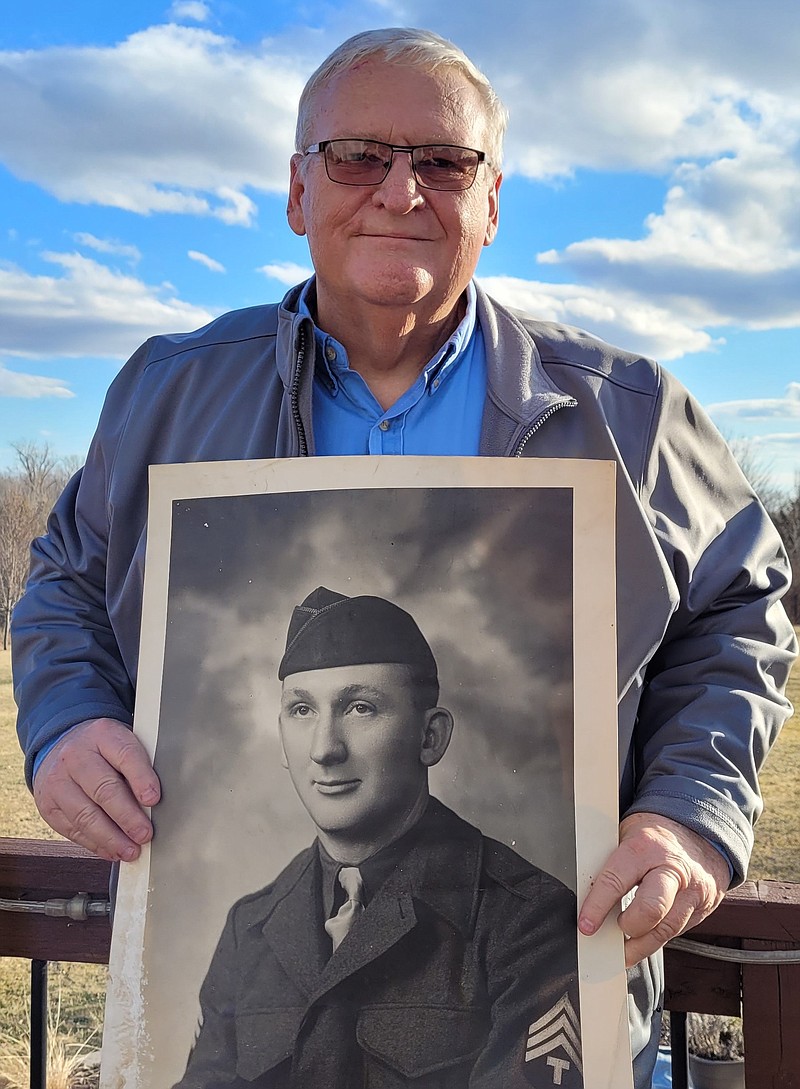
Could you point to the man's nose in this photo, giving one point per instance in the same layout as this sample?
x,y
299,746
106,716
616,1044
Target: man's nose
x,y
327,742
399,191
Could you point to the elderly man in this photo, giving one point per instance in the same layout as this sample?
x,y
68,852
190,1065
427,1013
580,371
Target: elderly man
x,y
392,348
403,947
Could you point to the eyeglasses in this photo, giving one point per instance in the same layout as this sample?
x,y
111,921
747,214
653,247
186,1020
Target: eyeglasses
x,y
367,162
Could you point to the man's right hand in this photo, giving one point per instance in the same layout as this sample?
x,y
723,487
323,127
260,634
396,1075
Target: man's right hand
x,y
92,785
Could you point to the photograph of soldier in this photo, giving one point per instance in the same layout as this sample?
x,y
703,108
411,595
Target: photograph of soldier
x,y
466,815
402,947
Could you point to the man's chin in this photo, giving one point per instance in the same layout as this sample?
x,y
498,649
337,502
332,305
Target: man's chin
x,y
404,285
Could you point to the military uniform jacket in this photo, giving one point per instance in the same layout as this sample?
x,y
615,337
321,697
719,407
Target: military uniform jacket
x,y
462,972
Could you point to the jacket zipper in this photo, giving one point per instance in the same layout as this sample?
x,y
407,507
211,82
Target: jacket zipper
x,y
571,403
294,392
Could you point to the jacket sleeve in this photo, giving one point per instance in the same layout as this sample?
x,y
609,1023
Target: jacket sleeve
x,y
713,701
532,981
68,665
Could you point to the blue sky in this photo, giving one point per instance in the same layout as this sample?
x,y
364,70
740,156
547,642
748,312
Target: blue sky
x,y
651,195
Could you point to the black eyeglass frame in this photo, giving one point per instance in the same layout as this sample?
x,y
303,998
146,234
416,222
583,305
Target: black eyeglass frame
x,y
322,145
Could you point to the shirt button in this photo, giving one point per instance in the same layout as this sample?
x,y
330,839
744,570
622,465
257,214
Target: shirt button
x,y
436,383
384,425
330,353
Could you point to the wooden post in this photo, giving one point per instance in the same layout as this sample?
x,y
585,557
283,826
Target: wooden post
x,y
771,1019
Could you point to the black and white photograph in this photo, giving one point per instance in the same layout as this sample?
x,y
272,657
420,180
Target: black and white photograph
x,y
380,802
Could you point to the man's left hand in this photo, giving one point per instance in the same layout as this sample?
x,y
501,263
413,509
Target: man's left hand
x,y
681,878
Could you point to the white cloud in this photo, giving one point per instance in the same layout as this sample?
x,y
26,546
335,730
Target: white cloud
x,y
627,84
190,9
108,245
286,272
779,451
624,319
30,386
728,239
204,259
173,119
762,408
182,120
706,95
86,310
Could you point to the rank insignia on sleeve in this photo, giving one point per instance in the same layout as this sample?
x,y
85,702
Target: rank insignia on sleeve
x,y
553,1047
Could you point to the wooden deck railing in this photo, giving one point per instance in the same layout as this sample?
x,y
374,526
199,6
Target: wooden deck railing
x,y
37,870
763,916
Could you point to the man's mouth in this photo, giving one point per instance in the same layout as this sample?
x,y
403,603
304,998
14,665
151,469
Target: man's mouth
x,y
389,236
336,786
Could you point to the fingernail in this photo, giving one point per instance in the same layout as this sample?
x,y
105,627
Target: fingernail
x,y
128,854
586,926
149,796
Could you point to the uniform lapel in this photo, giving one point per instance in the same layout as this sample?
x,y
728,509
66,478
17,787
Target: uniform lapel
x,y
294,929
388,918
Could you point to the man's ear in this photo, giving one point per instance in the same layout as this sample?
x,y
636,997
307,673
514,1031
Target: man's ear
x,y
294,207
436,738
494,211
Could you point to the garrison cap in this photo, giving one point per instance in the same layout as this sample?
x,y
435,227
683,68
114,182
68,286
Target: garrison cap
x,y
329,629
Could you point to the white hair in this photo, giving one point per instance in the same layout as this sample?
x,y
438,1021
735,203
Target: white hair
x,y
416,48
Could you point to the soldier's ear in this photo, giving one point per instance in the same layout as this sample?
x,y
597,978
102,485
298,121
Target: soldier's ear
x,y
436,736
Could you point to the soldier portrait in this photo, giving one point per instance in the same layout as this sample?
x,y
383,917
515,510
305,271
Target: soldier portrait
x,y
403,947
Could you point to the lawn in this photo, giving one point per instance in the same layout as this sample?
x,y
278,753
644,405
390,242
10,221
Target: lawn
x,y
80,987
777,849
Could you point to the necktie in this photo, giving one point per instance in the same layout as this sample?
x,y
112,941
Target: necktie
x,y
340,925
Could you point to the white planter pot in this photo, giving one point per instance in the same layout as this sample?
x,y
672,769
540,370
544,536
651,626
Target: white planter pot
x,y
716,1073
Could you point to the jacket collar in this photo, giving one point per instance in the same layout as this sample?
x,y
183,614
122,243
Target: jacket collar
x,y
517,396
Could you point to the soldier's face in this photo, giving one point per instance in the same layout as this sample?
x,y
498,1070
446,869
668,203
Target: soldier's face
x,y
355,745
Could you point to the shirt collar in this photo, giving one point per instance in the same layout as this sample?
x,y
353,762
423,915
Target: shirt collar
x,y
332,356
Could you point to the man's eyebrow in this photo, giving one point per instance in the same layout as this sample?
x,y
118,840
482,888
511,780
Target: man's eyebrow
x,y
349,691
296,693
352,690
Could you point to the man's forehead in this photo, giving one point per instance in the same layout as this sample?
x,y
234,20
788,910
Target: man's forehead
x,y
389,96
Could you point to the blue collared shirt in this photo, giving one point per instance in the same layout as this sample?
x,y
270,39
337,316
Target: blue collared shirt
x,y
439,414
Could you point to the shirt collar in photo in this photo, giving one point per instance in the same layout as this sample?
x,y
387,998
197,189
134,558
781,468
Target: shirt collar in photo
x,y
373,870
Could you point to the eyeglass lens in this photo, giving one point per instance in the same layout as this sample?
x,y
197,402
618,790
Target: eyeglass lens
x,y
367,162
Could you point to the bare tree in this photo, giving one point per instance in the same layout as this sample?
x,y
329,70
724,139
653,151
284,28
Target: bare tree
x,y
758,470
27,493
787,521
21,519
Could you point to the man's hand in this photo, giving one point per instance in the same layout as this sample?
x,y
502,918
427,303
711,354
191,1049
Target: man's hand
x,y
92,785
681,879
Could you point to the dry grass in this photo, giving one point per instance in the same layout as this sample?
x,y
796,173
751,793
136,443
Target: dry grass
x,y
71,1060
18,814
777,849
80,987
